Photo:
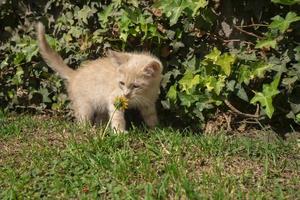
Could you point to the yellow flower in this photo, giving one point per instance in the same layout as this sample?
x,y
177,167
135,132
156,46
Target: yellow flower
x,y
121,103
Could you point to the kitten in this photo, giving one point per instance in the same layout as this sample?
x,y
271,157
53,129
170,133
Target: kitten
x,y
93,87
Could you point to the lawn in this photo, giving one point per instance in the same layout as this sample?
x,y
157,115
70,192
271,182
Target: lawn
x,y
52,158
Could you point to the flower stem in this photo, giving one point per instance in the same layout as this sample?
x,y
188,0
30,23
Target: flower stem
x,y
107,124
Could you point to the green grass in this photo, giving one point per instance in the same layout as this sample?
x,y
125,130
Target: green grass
x,y
51,158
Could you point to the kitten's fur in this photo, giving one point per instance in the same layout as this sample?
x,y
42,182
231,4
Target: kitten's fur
x,y
93,87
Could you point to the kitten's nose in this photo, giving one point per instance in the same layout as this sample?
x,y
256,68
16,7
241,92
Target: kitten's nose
x,y
127,94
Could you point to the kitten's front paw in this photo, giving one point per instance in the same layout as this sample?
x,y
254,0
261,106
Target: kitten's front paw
x,y
120,131
151,121
118,124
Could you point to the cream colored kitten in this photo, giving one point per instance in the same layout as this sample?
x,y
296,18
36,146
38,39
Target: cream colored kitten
x,y
93,87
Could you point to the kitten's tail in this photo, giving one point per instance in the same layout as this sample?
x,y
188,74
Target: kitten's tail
x,y
53,59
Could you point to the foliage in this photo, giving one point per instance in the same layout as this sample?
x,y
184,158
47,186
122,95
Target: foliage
x,y
286,2
245,54
243,71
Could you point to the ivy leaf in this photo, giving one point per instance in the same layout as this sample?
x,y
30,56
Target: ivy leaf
x,y
230,85
19,58
215,84
165,104
85,13
124,27
283,24
176,14
4,63
294,99
75,31
173,9
244,75
260,68
241,93
286,2
219,85
297,54
135,3
213,55
188,81
210,82
265,97
30,51
199,4
103,16
166,79
297,118
172,93
289,81
266,43
18,77
178,7
45,94
280,64
225,62
188,100
185,80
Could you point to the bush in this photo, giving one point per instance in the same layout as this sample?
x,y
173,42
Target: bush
x,y
238,54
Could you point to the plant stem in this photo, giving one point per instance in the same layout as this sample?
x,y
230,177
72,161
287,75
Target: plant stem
x,y
108,123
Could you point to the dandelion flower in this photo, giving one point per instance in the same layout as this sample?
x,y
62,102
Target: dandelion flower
x,y
121,103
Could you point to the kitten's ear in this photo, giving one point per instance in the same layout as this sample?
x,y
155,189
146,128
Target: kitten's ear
x,y
117,58
152,69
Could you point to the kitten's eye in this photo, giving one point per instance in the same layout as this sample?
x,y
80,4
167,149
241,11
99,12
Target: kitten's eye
x,y
121,83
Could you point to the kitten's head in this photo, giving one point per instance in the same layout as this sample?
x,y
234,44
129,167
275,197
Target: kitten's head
x,y
139,74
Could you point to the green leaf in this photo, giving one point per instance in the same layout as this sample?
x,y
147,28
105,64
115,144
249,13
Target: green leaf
x,y
188,81
124,24
266,43
297,118
135,3
177,10
225,62
199,4
174,9
230,85
75,31
85,13
260,68
30,51
212,83
4,63
213,55
289,81
176,14
265,97
219,85
19,58
17,79
187,100
283,24
45,94
172,93
103,16
241,93
286,2
244,75
297,54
